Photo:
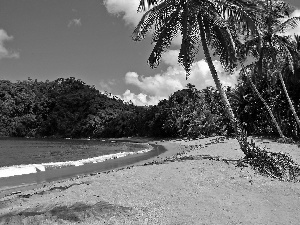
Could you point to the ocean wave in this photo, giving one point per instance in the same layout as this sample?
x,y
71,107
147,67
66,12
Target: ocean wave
x,y
35,168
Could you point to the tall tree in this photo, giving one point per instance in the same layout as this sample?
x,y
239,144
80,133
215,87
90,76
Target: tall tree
x,y
273,50
204,22
249,77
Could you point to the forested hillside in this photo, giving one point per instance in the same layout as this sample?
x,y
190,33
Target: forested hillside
x,y
60,108
71,108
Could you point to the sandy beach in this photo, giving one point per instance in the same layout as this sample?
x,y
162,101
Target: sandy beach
x,y
208,188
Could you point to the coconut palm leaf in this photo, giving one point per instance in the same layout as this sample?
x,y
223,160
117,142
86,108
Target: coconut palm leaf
x,y
291,23
190,37
249,47
164,40
288,51
159,16
217,28
220,39
164,17
142,6
242,12
145,24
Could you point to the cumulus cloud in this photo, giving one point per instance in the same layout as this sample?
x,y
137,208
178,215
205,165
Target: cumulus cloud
x,y
127,9
157,85
105,86
161,85
109,86
75,23
140,99
4,52
174,78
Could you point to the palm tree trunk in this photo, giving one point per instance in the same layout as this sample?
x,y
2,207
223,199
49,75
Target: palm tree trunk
x,y
266,105
289,99
237,129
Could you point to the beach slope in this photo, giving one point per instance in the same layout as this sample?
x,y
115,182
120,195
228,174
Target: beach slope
x,y
208,189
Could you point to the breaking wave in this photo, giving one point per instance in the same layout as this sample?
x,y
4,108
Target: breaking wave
x,y
35,168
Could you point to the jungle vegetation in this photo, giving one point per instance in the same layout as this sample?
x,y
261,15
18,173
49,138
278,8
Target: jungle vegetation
x,y
70,108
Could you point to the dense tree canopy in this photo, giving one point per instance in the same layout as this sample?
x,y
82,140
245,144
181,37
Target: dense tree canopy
x,y
60,108
71,108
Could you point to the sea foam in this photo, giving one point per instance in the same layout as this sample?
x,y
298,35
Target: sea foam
x,y
34,168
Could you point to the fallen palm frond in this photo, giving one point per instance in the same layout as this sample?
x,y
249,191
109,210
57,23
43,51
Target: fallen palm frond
x,y
277,165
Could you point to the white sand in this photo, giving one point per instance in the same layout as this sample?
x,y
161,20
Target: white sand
x,y
185,192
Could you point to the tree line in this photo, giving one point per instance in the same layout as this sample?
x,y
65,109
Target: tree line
x,y
69,108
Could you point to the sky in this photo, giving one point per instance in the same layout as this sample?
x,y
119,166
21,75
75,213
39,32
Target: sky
x,y
91,40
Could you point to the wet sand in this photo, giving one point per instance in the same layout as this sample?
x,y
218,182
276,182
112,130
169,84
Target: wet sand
x,y
207,189
20,183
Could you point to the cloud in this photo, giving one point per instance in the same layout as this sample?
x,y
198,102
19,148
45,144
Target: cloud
x,y
106,85
157,85
174,78
177,40
4,53
75,23
140,99
127,9
162,85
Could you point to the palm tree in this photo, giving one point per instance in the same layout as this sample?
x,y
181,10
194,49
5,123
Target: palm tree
x,y
289,71
249,77
273,49
199,21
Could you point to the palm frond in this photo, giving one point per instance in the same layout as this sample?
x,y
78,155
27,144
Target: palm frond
x,y
291,23
164,40
289,43
190,37
287,51
221,42
164,17
244,13
289,59
184,56
147,21
223,47
169,17
142,6
280,9
250,47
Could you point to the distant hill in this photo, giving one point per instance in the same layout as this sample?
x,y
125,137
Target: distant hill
x,y
60,108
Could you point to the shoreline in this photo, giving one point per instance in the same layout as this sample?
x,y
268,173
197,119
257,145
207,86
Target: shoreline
x,y
45,166
17,184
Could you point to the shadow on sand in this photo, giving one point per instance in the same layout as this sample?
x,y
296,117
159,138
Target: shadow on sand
x,y
101,211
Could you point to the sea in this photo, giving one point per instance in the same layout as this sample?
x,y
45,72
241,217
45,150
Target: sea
x,y
39,160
